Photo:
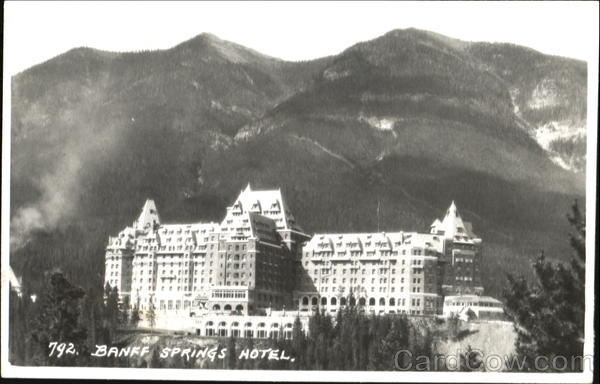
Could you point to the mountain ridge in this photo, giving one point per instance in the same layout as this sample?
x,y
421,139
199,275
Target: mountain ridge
x,y
411,119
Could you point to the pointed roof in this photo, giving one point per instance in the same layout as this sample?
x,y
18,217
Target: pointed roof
x,y
269,203
148,217
452,225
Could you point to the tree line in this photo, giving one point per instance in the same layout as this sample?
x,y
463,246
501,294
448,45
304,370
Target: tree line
x,y
548,318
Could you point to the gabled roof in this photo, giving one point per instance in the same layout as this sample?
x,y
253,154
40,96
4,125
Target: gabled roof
x,y
452,226
365,242
269,203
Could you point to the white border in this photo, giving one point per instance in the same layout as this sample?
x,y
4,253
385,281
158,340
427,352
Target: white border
x,y
335,376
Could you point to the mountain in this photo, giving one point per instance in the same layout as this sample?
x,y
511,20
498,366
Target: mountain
x,y
408,121
549,96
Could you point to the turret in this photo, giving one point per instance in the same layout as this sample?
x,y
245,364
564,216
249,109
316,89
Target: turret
x,y
148,219
452,225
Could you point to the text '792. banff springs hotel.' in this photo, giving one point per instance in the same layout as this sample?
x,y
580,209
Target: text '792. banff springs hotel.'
x,y
258,259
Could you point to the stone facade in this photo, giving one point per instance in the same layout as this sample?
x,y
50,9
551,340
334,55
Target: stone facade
x,y
258,259
242,265
398,272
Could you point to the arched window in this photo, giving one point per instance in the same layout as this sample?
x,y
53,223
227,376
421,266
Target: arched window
x,y
248,331
222,329
323,301
315,301
362,301
372,301
352,301
343,301
239,307
227,307
262,333
235,329
333,301
216,307
382,301
305,300
209,329
287,332
275,331
392,301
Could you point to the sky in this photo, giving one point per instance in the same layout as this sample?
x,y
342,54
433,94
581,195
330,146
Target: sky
x,y
38,31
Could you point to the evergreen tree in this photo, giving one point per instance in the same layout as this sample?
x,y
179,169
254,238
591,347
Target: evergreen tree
x,y
151,315
471,361
155,360
57,319
549,316
298,344
231,353
135,315
112,312
124,311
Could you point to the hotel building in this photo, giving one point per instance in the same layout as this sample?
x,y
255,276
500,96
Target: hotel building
x,y
243,264
398,272
258,259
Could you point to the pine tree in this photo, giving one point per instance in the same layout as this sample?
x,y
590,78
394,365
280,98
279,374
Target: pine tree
x,y
151,315
155,360
231,353
124,311
471,360
135,316
112,310
57,319
549,316
298,344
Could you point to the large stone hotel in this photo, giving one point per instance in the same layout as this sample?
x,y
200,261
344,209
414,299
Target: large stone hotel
x,y
258,260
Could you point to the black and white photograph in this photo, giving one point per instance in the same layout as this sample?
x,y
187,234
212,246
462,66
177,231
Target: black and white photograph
x,y
299,191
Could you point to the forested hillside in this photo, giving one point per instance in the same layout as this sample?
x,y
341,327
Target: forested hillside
x,y
410,121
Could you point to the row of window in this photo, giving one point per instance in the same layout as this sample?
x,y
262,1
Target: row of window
x,y
380,290
474,304
382,280
414,252
464,278
361,301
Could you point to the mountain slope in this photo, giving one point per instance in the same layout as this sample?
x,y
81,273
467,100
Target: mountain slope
x,y
549,94
410,121
90,119
412,93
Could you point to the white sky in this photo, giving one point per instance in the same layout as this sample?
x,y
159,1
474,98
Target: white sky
x,y
37,31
